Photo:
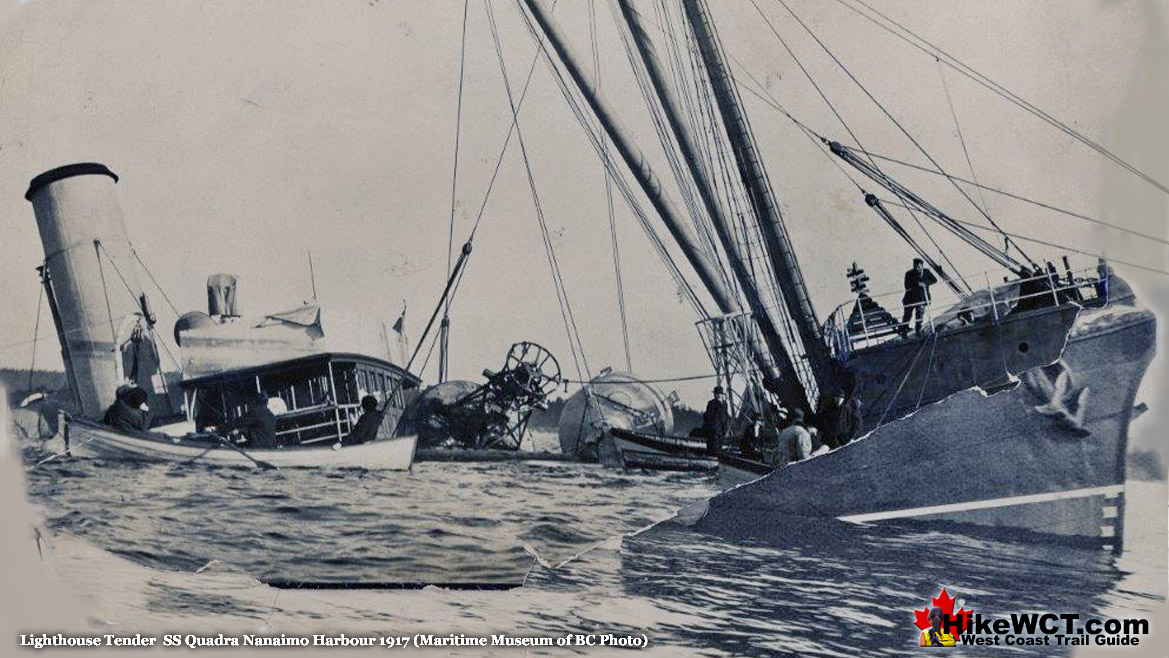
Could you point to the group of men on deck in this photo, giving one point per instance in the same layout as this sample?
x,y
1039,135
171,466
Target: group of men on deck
x,y
258,424
256,428
777,437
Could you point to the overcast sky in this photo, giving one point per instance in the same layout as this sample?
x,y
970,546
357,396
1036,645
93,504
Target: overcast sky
x,y
248,133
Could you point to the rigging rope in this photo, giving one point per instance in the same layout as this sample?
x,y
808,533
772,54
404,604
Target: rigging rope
x,y
894,120
450,245
961,137
1017,197
684,287
150,274
1045,243
820,142
988,83
36,332
105,291
150,326
621,308
848,129
570,326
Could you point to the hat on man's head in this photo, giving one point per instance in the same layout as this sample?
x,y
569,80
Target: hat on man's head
x,y
718,390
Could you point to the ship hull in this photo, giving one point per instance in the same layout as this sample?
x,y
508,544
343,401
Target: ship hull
x,y
85,439
1046,456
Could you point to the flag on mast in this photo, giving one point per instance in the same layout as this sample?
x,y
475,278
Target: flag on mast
x,y
400,330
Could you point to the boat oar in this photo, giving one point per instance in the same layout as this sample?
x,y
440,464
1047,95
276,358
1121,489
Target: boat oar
x,y
259,463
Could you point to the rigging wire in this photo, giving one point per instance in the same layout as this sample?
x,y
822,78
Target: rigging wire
x,y
450,245
510,133
494,173
657,115
621,308
970,72
1045,243
100,248
570,326
893,119
150,274
1017,197
961,137
820,142
684,288
36,332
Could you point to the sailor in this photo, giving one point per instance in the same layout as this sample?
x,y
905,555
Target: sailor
x,y
794,442
917,295
367,426
752,436
934,636
1035,290
715,420
258,424
129,411
839,419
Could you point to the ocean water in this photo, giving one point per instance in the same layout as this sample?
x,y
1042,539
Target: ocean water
x,y
817,589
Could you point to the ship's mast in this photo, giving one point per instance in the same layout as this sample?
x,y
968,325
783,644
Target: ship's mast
x,y
789,277
789,387
707,272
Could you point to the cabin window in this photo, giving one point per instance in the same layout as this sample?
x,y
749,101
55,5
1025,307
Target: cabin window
x,y
345,378
301,388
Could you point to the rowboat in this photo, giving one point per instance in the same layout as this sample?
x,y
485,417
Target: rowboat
x,y
662,452
87,439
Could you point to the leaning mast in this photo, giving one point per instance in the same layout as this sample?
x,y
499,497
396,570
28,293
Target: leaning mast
x,y
791,391
789,277
708,272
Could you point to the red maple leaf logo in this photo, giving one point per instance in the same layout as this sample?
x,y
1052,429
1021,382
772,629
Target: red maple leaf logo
x,y
946,603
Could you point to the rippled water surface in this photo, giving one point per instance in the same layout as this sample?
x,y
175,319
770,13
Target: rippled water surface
x,y
820,589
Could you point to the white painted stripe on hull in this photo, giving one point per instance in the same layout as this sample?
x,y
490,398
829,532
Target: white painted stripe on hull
x,y
1110,490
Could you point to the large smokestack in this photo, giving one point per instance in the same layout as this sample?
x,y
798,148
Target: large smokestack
x,y
90,276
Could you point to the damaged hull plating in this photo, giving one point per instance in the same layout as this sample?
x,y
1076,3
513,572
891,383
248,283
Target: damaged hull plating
x,y
1045,455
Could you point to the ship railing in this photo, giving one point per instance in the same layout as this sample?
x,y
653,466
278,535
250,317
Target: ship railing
x,y
337,422
868,320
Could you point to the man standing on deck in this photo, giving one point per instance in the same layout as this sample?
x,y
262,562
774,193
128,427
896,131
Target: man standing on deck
x,y
715,421
840,419
917,295
367,426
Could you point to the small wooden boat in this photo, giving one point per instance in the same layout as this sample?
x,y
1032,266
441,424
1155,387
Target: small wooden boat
x,y
662,452
83,438
317,401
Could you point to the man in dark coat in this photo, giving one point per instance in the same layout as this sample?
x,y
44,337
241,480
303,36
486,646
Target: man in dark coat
x,y
917,295
716,420
128,412
367,426
258,424
839,419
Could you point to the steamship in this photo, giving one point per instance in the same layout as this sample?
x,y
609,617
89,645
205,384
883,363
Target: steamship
x,y
313,366
1008,410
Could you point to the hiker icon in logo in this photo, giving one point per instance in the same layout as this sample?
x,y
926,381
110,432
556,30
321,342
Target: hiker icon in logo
x,y
934,636
940,626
